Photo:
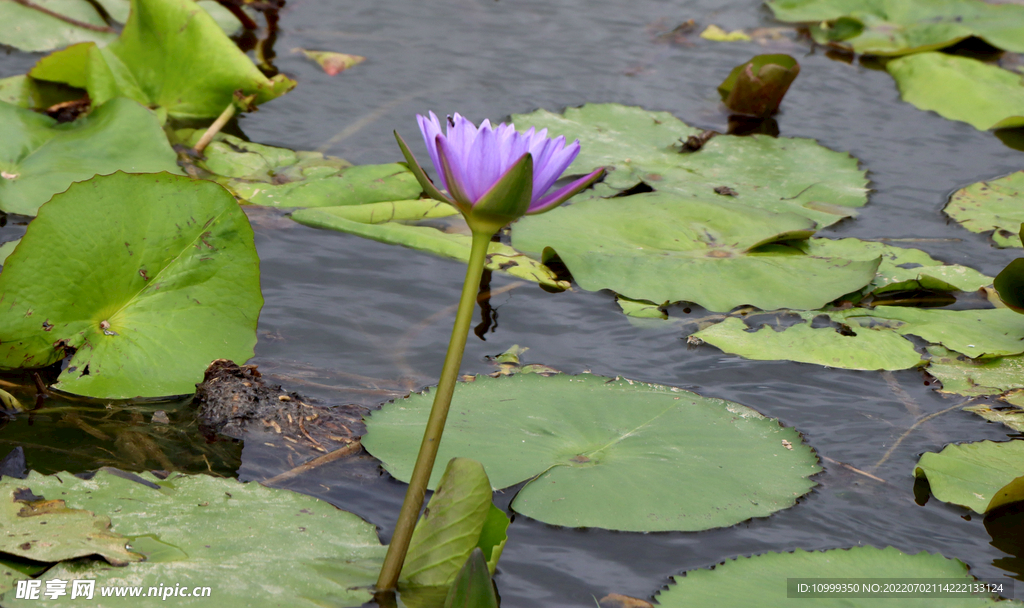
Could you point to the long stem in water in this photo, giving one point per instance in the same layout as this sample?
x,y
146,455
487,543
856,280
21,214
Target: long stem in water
x,y
438,414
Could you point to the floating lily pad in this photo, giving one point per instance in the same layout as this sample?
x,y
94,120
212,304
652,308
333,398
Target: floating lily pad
x,y
29,29
164,279
774,174
853,349
39,157
662,247
279,177
172,54
641,309
962,375
994,205
976,333
980,476
219,528
608,453
7,249
762,580
896,27
1010,415
45,529
960,88
390,223
901,269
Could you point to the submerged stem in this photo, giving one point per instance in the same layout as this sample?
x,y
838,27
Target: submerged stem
x,y
438,414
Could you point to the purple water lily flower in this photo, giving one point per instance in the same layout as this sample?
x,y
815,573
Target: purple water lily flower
x,y
495,175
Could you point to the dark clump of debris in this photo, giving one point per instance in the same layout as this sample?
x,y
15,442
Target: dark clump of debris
x,y
233,401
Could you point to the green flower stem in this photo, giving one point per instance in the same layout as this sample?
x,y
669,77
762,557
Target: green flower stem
x,y
438,414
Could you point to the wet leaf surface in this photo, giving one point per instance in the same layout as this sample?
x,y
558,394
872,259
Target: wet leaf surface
x,y
165,279
896,27
306,551
40,157
774,174
663,247
976,333
608,453
30,29
45,529
762,579
960,88
980,476
995,205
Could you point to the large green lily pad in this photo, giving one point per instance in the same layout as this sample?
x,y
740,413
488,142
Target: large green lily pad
x,y
662,247
962,375
608,453
202,531
44,530
850,349
392,223
897,27
39,157
172,54
764,580
961,88
995,205
163,280
279,177
775,174
980,476
30,29
26,92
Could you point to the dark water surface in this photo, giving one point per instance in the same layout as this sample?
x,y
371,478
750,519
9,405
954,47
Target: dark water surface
x,y
351,320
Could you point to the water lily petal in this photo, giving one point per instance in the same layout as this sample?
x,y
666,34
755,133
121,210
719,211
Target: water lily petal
x,y
453,174
483,163
554,165
417,171
564,193
431,128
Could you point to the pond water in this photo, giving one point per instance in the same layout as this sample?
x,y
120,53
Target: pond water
x,y
349,320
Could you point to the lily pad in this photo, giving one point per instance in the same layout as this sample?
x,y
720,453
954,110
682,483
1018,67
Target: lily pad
x,y
764,580
976,333
641,309
853,349
897,27
980,476
218,528
47,530
173,55
7,249
390,223
993,205
960,88
774,174
30,29
164,279
1010,415
962,375
279,177
39,157
608,453
663,247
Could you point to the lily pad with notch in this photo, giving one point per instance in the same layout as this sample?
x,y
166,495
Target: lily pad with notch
x,y
165,279
662,247
607,452
981,476
995,205
642,148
